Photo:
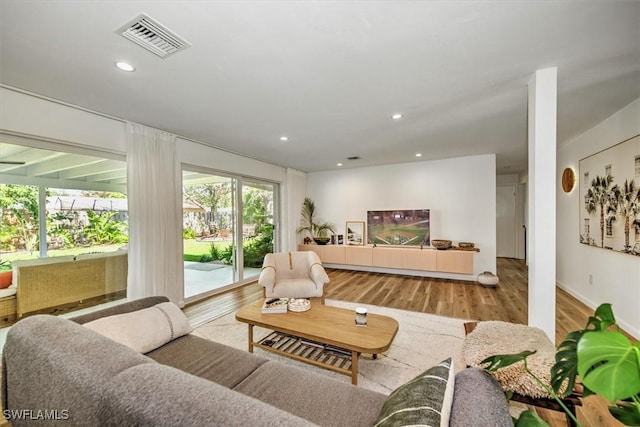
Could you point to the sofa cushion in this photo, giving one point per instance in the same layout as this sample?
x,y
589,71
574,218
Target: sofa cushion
x,y
308,395
144,330
478,400
207,359
157,395
8,291
297,288
425,400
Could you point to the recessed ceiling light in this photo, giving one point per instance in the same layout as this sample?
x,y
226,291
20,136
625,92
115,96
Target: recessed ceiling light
x,y
396,116
284,138
418,154
125,66
339,164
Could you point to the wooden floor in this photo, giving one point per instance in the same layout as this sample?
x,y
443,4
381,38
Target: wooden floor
x,y
507,302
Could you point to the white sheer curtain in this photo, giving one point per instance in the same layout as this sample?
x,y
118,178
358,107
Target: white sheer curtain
x,y
296,191
155,215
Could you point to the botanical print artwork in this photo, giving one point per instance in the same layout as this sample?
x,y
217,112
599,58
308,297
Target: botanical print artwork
x,y
610,198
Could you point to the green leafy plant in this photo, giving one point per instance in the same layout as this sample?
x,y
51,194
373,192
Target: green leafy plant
x,y
189,233
605,360
103,228
311,224
19,216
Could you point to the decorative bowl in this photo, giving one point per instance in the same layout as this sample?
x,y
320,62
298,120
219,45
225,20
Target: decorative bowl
x,y
321,240
441,244
466,244
299,304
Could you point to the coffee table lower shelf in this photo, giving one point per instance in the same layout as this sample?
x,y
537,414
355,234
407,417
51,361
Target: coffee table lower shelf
x,y
313,352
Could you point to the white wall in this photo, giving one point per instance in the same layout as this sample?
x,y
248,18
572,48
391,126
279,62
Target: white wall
x,y
34,116
39,117
616,276
460,194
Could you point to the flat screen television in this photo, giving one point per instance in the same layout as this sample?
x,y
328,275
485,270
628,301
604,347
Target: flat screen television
x,y
409,227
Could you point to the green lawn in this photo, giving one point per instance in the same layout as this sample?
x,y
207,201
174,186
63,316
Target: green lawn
x,y
194,250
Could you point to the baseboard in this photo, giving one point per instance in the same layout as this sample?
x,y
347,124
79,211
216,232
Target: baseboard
x,y
628,328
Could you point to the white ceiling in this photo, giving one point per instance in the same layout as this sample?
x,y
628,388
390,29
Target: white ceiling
x,y
329,74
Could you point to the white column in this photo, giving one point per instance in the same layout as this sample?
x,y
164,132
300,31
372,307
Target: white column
x,y
42,220
542,200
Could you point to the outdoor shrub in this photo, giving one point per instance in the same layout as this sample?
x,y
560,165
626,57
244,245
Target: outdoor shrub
x,y
189,233
205,258
214,251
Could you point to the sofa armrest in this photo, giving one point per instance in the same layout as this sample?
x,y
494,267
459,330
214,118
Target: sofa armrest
x,y
478,400
318,275
53,363
267,277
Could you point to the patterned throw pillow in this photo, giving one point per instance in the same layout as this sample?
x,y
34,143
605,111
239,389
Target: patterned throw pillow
x,y
425,400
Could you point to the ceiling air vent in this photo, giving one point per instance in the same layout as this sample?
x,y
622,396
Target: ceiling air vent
x,y
153,36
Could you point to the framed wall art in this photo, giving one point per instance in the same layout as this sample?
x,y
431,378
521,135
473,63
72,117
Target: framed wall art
x,y
355,232
609,184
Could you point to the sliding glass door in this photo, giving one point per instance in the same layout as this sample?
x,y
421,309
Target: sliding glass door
x,y
225,240
257,225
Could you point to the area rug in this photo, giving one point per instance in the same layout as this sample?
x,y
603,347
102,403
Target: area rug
x,y
422,341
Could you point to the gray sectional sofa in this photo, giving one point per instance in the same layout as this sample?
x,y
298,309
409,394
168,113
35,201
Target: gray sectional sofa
x,y
63,373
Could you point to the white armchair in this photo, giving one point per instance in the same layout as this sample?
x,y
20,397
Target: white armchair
x,y
293,275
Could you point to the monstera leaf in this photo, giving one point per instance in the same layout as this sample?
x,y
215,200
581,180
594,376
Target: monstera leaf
x,y
609,364
529,418
628,413
493,363
565,370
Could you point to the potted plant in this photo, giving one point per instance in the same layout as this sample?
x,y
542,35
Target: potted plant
x,y
310,224
607,362
6,274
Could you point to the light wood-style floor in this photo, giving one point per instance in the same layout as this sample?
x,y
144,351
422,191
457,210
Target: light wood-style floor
x,y
507,302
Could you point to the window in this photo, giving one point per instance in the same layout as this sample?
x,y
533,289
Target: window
x,y
58,200
637,165
607,170
75,203
586,226
585,179
609,226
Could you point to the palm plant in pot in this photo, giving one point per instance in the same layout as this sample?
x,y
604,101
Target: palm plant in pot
x,y
313,226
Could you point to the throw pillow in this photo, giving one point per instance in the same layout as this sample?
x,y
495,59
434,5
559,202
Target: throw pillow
x,y
144,330
425,400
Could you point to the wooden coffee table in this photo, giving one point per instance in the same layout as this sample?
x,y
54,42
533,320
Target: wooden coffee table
x,y
324,336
